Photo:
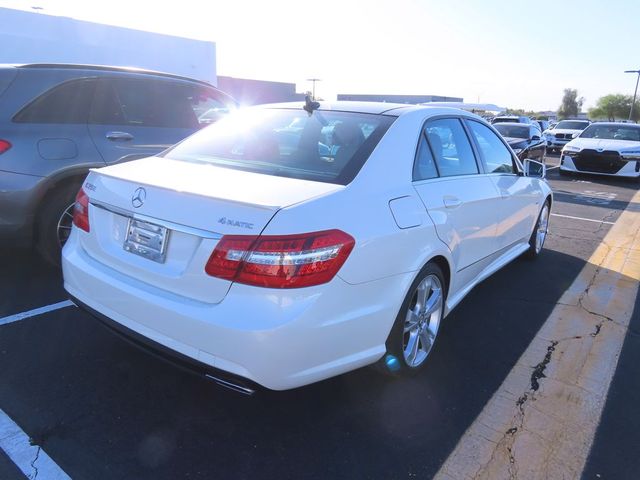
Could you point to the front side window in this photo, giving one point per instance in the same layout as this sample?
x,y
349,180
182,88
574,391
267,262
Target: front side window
x,y
496,155
450,147
69,102
156,103
325,146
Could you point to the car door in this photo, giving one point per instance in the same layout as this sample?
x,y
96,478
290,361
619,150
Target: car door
x,y
459,198
520,195
137,117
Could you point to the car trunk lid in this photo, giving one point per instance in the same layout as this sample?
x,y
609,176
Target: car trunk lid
x,y
158,220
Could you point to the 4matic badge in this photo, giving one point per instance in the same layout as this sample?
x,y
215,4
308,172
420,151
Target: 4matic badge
x,y
235,223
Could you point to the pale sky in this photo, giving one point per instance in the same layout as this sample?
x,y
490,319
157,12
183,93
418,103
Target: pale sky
x,y
518,54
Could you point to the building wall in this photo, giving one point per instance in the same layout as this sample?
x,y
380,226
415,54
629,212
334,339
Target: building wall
x,y
27,37
412,99
255,92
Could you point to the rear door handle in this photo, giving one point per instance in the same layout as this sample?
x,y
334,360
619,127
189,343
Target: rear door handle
x,y
119,136
451,202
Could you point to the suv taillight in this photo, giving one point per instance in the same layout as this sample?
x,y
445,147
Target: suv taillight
x,y
81,211
274,261
4,146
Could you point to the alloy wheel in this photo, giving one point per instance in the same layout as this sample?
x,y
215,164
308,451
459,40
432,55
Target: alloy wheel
x,y
63,227
543,228
422,320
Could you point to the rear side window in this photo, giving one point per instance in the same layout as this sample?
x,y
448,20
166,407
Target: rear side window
x,y
424,167
326,146
156,103
450,147
496,155
69,102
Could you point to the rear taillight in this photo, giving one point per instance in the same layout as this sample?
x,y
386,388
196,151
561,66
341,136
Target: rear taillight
x,y
4,146
81,211
274,261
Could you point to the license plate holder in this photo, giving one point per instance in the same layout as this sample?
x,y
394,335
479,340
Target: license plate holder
x,y
146,240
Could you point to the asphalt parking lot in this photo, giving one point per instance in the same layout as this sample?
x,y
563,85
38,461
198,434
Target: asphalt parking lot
x,y
101,409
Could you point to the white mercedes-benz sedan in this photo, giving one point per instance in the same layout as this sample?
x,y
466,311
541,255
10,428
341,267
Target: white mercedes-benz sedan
x,y
290,243
604,148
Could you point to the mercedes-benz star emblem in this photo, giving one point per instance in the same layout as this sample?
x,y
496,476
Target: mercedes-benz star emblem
x,y
139,196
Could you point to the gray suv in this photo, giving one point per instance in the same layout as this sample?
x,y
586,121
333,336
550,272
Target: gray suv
x,y
58,121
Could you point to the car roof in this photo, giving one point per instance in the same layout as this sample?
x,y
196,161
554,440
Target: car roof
x,y
376,108
105,68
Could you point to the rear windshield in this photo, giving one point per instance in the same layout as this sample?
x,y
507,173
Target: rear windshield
x,y
506,120
612,132
325,146
571,125
514,131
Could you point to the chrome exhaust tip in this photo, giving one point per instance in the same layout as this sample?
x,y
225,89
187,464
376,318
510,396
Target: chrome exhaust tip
x,y
231,386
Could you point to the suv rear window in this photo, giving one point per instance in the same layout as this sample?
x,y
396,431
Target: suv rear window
x,y
68,102
326,146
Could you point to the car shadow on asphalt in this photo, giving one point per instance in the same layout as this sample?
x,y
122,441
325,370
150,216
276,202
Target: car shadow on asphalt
x,y
103,409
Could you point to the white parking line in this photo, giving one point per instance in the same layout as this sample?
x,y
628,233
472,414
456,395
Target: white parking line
x,y
29,458
583,219
36,311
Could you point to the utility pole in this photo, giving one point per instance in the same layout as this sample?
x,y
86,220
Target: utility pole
x,y
633,104
313,88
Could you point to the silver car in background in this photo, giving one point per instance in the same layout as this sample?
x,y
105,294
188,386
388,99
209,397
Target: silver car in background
x,y
58,121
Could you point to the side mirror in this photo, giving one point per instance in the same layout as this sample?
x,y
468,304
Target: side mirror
x,y
534,169
535,138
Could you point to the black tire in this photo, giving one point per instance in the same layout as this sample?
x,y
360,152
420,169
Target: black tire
x,y
394,362
48,243
535,250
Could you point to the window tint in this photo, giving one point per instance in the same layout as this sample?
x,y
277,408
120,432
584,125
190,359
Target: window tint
x,y
156,103
450,147
424,167
496,155
326,146
69,102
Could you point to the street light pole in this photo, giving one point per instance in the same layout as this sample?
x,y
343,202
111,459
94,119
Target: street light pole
x,y
314,80
635,93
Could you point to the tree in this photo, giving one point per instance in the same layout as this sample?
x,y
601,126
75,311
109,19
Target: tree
x,y
614,106
571,104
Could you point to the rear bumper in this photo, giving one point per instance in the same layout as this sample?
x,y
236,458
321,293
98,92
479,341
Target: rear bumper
x,y
158,350
279,339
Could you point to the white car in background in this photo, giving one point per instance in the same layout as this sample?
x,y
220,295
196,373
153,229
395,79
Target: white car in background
x,y
604,148
565,131
257,263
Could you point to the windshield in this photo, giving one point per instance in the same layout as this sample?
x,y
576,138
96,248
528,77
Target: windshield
x,y
571,125
515,131
325,146
612,132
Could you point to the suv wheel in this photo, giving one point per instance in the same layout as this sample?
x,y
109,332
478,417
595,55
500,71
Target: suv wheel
x,y
54,223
